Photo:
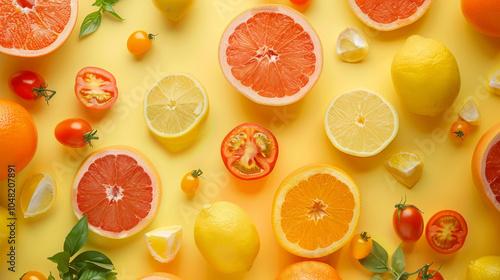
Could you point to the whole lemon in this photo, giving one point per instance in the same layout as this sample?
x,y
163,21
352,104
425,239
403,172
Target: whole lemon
x,y
425,75
226,237
484,268
173,9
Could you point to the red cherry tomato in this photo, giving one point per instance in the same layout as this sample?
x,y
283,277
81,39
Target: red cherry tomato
x,y
460,130
33,275
408,222
249,151
139,42
361,245
30,86
75,133
300,2
96,88
446,231
430,275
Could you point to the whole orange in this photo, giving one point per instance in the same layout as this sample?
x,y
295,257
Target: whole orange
x,y
18,137
483,15
308,270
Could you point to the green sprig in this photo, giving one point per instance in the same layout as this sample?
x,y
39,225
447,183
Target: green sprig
x,y
93,20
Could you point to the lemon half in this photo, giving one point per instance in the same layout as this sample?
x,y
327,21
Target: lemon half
x,y
37,194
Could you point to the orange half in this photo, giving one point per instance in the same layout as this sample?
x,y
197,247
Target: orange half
x,y
31,28
316,211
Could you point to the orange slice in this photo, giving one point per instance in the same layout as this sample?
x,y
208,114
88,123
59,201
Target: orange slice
x,y
31,28
316,211
271,54
118,189
388,15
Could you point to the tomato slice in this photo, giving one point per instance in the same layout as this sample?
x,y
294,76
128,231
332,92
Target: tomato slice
x,y
249,151
96,88
446,231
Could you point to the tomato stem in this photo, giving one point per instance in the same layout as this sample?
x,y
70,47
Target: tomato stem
x,y
365,236
152,36
425,272
43,91
402,205
89,136
459,134
197,173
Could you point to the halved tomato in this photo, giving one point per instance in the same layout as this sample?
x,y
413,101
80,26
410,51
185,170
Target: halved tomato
x,y
249,151
96,88
446,231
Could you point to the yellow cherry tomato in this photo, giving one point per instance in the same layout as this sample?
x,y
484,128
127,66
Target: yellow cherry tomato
x,y
33,275
361,245
191,180
139,42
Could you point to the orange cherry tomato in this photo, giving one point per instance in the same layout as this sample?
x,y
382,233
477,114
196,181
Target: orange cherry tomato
x,y
361,245
460,130
33,275
139,42
75,133
191,181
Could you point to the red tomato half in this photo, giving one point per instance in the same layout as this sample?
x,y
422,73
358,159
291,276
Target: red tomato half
x,y
446,231
249,151
96,88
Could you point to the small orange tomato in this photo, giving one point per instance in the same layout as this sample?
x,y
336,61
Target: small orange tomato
x,y
361,245
460,130
139,42
33,275
191,180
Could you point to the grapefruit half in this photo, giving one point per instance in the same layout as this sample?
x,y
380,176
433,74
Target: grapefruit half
x,y
119,190
271,54
486,166
31,28
388,15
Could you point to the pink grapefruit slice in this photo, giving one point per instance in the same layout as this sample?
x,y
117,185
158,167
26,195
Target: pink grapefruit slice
x,y
271,54
486,166
388,15
31,28
118,189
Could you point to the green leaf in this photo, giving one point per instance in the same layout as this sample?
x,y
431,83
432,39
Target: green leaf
x,y
112,2
376,277
62,261
77,237
377,260
90,274
398,260
51,277
91,258
91,23
98,3
108,8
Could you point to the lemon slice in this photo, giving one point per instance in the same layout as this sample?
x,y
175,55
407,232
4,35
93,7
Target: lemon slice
x,y
361,123
495,83
351,45
37,194
469,111
164,243
175,105
406,167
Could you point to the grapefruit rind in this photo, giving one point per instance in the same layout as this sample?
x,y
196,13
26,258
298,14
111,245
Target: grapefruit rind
x,y
247,91
421,10
61,38
291,181
147,167
487,141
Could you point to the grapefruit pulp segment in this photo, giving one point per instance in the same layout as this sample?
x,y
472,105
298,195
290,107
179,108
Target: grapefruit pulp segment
x,y
492,170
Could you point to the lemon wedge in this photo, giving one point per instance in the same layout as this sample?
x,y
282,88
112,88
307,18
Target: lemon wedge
x,y
361,123
352,46
495,83
406,167
164,243
469,111
37,194
175,106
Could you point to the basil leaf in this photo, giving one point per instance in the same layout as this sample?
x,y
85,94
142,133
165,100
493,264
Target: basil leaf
x,y
51,277
77,237
91,258
90,274
377,260
91,23
111,1
398,260
62,261
98,3
376,277
108,8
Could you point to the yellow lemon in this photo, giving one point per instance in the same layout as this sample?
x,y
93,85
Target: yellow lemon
x,y
352,46
484,268
37,194
425,75
164,243
406,167
174,9
226,237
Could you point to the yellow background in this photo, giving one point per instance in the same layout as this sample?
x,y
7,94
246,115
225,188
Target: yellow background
x,y
191,46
